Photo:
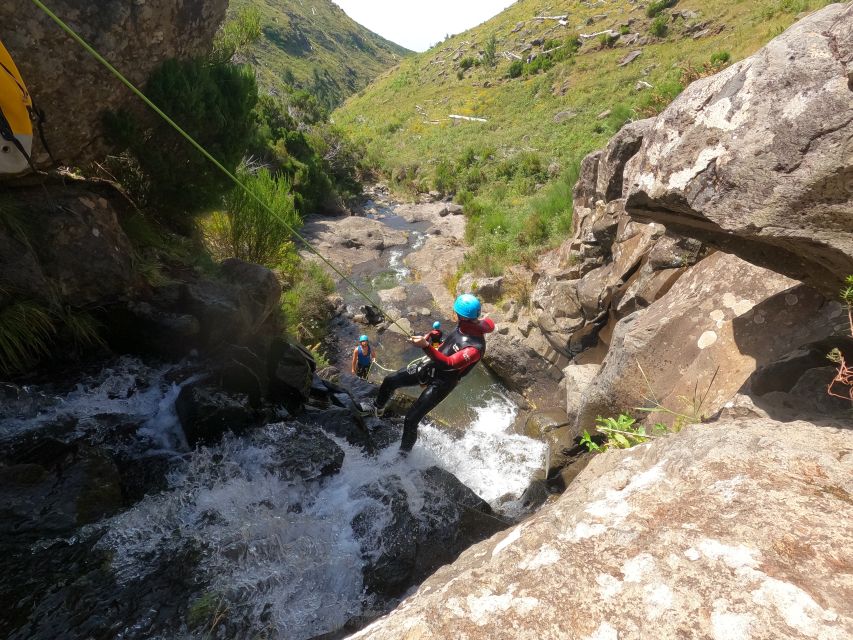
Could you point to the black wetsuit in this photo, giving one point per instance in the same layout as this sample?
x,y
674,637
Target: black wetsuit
x,y
439,376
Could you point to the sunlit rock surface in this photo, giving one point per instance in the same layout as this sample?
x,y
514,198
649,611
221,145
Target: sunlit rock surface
x,y
758,159
734,530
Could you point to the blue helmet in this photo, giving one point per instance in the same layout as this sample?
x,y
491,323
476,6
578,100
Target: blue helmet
x,y
467,306
363,338
436,325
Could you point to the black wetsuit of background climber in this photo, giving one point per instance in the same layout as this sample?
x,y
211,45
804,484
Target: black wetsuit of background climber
x,y
440,375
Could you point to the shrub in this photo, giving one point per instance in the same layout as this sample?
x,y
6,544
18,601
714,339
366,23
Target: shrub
x,y
516,68
720,58
490,51
213,102
659,27
460,75
659,5
249,231
305,302
624,30
236,33
466,63
444,178
608,39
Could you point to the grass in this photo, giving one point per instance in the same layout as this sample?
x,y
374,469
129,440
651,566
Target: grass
x,y
494,168
313,46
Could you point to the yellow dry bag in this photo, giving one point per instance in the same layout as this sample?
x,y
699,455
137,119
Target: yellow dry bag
x,y
16,128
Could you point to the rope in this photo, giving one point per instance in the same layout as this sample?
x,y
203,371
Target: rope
x,y
376,362
207,155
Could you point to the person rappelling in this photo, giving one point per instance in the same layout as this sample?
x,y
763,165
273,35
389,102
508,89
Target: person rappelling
x,y
441,369
363,357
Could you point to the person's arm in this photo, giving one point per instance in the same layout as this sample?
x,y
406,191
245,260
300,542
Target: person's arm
x,y
354,358
373,354
459,360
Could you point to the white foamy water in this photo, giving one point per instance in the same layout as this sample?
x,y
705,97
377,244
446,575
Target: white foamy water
x,y
395,263
488,458
280,553
125,388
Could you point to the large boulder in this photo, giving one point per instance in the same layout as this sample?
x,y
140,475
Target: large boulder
x,y
414,523
700,343
740,529
71,87
41,257
758,159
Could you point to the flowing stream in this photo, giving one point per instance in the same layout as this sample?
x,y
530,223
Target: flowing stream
x,y
231,534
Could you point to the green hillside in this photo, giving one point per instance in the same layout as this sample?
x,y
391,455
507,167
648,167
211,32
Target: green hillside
x,y
315,46
549,95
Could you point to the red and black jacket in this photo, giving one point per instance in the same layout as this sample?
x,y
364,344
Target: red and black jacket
x,y
460,351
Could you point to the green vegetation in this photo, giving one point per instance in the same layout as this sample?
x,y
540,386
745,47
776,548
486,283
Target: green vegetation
x,y
254,230
30,330
314,47
402,118
304,302
620,433
657,6
213,101
659,26
844,374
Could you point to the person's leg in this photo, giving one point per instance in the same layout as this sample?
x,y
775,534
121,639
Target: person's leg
x,y
390,384
431,396
362,372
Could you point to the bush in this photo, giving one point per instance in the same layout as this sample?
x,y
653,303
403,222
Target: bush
x,y
608,39
516,68
720,58
659,26
304,302
490,57
213,102
466,63
249,231
659,5
444,178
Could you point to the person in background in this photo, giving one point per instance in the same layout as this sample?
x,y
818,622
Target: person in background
x,y
436,336
362,357
442,369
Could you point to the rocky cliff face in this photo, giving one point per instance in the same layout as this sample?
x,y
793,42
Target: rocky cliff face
x,y
71,87
637,285
758,160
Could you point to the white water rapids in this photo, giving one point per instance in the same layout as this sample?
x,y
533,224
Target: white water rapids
x,y
280,553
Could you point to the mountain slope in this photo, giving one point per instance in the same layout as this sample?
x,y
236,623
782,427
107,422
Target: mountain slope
x,y
316,46
551,89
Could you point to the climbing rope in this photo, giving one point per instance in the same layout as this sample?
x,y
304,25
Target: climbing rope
x,y
207,155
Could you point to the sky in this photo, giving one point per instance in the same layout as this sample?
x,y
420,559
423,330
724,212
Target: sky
x,y
419,24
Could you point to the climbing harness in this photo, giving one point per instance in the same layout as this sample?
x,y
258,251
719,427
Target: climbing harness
x,y
207,155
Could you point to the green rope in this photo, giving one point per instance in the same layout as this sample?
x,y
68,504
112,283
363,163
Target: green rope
x,y
207,155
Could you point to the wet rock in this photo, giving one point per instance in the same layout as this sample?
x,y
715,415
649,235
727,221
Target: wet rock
x,y
577,379
299,451
68,489
540,422
346,423
147,474
290,369
417,522
207,412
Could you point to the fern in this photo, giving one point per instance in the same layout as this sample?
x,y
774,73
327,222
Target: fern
x,y
26,332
